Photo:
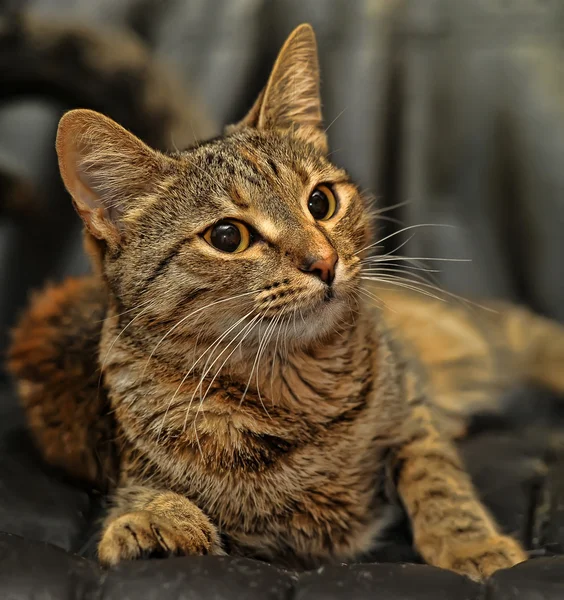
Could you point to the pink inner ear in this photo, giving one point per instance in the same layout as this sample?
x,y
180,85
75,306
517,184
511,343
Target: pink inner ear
x,y
89,205
84,192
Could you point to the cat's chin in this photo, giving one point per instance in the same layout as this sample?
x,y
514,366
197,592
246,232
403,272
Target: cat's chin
x,y
319,322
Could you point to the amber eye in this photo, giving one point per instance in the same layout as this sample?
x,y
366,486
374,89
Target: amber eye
x,y
322,203
228,236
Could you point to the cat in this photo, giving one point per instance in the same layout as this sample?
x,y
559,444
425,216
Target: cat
x,y
229,375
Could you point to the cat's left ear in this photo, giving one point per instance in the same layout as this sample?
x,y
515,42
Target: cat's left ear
x,y
108,171
291,99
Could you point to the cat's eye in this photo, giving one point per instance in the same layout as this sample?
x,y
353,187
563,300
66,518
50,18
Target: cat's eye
x,y
322,203
229,236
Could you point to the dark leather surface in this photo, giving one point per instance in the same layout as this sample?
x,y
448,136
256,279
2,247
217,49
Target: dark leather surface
x,y
31,569
452,106
50,527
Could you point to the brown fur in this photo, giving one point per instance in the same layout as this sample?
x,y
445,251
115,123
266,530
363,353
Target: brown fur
x,y
61,332
249,399
473,353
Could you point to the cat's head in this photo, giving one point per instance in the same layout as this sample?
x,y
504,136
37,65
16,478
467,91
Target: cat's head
x,y
256,223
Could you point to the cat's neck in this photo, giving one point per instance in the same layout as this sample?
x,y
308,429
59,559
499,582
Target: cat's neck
x,y
281,372
289,395
296,376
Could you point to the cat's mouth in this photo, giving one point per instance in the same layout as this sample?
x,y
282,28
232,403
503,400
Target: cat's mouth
x,y
317,306
329,294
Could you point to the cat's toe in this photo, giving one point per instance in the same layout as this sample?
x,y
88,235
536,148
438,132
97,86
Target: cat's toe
x,y
142,534
479,560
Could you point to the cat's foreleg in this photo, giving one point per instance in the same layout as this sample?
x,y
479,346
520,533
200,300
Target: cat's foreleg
x,y
148,523
451,527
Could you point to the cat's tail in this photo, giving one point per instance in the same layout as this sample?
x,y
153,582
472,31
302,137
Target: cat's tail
x,y
53,360
111,72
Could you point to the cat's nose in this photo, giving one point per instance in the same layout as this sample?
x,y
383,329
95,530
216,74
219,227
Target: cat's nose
x,y
322,267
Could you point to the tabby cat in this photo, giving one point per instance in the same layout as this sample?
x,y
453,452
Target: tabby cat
x,y
229,374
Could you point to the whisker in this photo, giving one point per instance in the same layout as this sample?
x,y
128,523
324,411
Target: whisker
x,y
106,356
391,253
267,337
400,268
333,121
386,257
248,328
335,150
390,220
285,338
125,311
253,367
375,298
384,209
260,352
280,318
183,320
469,303
404,229
400,282
207,369
211,347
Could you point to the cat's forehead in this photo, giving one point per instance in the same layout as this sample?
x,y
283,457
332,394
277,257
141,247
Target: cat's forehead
x,y
249,163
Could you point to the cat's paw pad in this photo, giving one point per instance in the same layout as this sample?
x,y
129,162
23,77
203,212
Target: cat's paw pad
x,y
142,534
479,560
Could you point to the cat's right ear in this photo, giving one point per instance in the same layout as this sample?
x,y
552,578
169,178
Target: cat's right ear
x,y
107,171
291,101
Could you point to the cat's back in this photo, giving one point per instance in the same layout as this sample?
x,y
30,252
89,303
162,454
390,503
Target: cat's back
x,y
466,356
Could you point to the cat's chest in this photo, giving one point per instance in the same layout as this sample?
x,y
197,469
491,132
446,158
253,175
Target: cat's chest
x,y
300,473
324,498
309,512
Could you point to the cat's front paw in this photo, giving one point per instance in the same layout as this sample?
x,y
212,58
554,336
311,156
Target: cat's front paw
x,y
480,559
142,534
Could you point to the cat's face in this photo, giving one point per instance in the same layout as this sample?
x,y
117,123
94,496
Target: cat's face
x,y
255,213
250,233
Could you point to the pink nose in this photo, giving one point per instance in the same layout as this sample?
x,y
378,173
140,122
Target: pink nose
x,y
322,267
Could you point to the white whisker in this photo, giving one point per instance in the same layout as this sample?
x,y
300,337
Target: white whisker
x,y
254,366
373,297
400,282
125,311
185,318
333,121
106,356
384,209
211,347
246,330
403,230
267,337
387,257
280,318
